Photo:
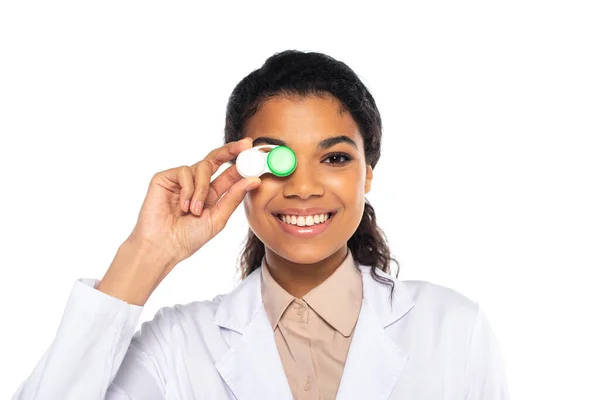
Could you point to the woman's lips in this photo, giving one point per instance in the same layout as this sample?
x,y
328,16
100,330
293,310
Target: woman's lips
x,y
305,231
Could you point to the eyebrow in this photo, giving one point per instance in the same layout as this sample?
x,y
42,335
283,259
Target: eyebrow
x,y
323,144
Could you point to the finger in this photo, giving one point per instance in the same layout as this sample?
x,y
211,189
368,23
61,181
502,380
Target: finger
x,y
221,212
204,170
186,181
175,180
202,176
226,153
222,184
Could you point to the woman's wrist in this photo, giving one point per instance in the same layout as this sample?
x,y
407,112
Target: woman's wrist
x,y
135,272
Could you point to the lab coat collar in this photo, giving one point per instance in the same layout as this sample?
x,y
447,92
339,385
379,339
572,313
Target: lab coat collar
x,y
252,367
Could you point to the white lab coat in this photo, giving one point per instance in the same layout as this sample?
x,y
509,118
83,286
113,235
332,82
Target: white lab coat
x,y
431,343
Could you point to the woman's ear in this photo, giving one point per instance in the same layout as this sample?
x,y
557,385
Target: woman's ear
x,y
368,179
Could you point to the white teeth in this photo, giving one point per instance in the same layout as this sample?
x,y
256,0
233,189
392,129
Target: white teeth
x,y
301,220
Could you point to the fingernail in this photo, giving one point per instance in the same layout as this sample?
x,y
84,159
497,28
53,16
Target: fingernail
x,y
198,207
251,185
185,205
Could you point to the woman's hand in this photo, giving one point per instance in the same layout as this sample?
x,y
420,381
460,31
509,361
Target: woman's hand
x,y
182,211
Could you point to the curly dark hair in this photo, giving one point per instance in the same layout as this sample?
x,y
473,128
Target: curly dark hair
x,y
293,73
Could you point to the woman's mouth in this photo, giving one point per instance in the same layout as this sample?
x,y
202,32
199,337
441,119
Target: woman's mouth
x,y
305,226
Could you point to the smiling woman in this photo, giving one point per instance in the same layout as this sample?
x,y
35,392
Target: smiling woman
x,y
331,178
319,107
318,314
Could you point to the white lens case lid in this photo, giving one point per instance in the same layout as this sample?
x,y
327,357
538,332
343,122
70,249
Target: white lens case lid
x,y
253,162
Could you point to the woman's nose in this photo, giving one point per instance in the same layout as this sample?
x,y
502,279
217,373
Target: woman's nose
x,y
304,182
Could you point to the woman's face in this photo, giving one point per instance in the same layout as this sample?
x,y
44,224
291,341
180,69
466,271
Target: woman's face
x,y
331,178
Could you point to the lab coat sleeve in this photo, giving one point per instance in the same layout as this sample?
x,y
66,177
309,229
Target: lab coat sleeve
x,y
92,348
485,375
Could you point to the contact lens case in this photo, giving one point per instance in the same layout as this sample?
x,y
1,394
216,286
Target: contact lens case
x,y
279,161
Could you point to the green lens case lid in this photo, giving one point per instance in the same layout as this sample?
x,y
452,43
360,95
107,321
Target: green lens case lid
x,y
281,161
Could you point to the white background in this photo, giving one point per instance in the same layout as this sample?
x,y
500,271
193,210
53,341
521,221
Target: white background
x,y
489,180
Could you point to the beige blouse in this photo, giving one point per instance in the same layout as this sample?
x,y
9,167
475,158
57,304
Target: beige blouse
x,y
313,334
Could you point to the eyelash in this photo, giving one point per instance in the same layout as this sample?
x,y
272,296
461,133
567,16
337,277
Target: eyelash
x,y
339,164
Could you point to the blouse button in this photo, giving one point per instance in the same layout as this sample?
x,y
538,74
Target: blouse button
x,y
307,385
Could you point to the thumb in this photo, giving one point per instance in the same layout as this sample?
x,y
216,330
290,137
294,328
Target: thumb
x,y
223,210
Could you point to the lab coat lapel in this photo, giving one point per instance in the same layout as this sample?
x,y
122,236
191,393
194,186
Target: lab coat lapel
x,y
251,368
375,362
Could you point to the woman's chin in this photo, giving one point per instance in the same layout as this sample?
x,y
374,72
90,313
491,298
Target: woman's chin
x,y
305,253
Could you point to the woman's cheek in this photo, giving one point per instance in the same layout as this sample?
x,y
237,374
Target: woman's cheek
x,y
346,184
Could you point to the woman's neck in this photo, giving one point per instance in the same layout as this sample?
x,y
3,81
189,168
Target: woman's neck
x,y
299,279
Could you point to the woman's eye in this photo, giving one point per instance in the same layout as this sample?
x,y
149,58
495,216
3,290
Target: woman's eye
x,y
337,158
